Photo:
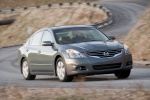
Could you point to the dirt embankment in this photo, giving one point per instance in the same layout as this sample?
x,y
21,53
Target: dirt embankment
x,y
15,93
75,15
138,38
8,4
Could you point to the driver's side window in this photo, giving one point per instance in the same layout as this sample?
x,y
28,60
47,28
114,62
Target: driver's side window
x,y
47,36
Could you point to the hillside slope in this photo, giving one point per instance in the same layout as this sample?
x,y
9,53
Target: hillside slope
x,y
37,19
138,38
7,4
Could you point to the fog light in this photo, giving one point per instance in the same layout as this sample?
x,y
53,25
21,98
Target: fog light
x,y
128,63
76,67
82,68
79,67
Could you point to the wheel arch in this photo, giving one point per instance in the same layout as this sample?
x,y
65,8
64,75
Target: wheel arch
x,y
58,56
21,61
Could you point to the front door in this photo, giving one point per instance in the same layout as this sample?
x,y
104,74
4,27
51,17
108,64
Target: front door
x,y
46,54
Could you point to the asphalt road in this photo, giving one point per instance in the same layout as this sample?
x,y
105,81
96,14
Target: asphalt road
x,y
125,14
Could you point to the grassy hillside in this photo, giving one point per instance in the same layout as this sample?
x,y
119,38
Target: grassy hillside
x,y
139,38
6,4
37,19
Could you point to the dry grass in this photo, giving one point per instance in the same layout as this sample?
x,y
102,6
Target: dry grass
x,y
7,4
8,16
37,19
138,38
16,93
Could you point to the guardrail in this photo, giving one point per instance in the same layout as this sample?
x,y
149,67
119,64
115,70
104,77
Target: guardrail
x,y
106,22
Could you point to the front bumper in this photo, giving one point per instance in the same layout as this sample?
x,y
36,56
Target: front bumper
x,y
86,64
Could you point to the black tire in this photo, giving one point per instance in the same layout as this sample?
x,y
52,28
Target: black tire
x,y
28,76
66,77
123,74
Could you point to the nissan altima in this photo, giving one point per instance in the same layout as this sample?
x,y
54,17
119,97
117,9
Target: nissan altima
x,y
68,51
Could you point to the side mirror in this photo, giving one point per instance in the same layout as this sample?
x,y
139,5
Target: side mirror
x,y
47,43
111,37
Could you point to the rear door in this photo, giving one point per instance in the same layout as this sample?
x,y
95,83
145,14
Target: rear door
x,y
33,51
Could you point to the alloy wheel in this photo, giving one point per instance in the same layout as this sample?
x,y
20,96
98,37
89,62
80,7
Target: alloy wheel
x,y
61,70
25,69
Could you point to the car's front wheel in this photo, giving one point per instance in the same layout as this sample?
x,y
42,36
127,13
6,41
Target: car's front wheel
x,y
61,71
123,74
26,71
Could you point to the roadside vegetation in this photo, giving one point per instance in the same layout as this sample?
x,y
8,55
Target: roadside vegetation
x,y
138,39
17,33
8,4
16,93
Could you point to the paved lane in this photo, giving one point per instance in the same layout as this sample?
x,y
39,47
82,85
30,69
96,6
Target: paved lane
x,y
125,14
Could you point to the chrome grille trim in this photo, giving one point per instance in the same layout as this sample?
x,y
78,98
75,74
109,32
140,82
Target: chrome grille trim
x,y
100,54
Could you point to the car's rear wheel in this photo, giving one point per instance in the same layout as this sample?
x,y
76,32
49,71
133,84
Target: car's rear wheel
x,y
61,71
123,74
26,71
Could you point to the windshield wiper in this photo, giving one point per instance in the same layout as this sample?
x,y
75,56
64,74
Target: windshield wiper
x,y
95,40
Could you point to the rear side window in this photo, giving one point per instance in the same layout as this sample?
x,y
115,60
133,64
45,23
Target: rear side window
x,y
36,39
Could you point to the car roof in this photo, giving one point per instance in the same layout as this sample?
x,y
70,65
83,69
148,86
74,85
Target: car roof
x,y
71,26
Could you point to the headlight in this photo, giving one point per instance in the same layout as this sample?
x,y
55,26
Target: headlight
x,y
126,48
74,54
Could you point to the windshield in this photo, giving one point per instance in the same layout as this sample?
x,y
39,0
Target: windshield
x,y
78,35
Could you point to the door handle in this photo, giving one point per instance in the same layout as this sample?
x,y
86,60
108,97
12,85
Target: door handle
x,y
39,52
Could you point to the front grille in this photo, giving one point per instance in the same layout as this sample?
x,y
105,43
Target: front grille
x,y
107,66
102,54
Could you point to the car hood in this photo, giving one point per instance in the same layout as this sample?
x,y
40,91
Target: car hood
x,y
94,46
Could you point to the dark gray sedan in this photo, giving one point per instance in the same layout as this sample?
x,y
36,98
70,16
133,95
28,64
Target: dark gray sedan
x,y
68,51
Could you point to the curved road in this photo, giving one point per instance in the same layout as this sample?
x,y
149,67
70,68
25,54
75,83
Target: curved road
x,y
125,14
